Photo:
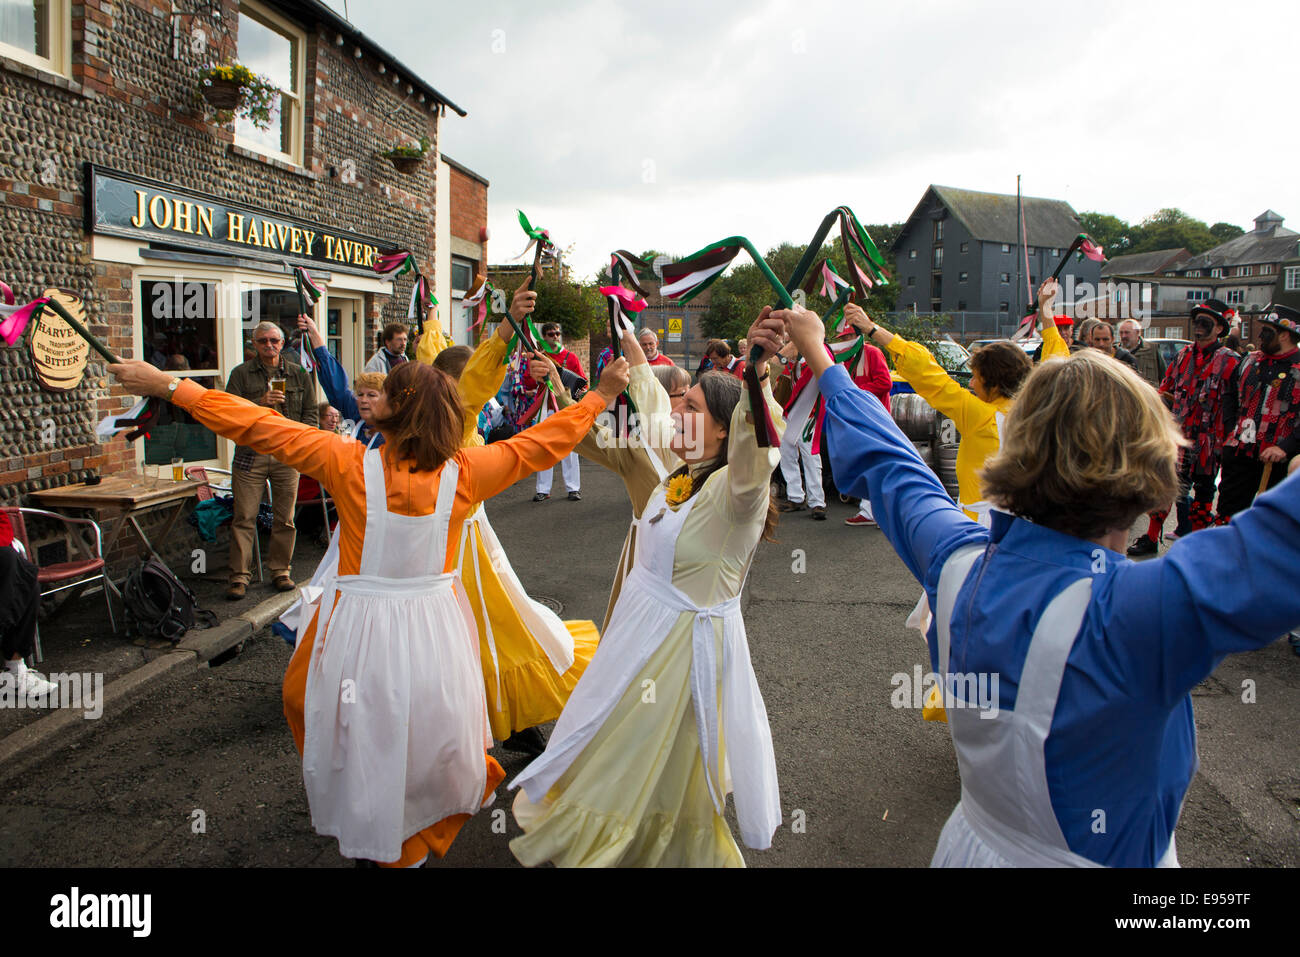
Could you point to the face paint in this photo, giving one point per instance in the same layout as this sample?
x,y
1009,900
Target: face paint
x,y
1268,341
1203,327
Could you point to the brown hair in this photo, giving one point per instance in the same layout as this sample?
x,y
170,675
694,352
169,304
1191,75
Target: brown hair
x,y
452,360
393,329
718,347
425,416
369,380
1086,449
1002,366
722,393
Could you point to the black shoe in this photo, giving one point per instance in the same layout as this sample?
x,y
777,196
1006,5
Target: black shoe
x,y
790,507
1144,547
540,497
529,741
819,513
575,497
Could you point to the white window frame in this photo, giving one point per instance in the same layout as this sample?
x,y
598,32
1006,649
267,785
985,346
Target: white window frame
x,y
1006,247
60,58
295,101
1236,297
1216,272
1173,332
1291,278
1245,271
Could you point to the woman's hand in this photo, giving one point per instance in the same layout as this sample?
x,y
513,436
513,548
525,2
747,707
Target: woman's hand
x,y
308,325
807,332
613,380
768,334
857,317
541,367
1047,293
631,348
141,378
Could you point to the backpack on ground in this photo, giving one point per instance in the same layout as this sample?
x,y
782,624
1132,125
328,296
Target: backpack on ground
x,y
158,605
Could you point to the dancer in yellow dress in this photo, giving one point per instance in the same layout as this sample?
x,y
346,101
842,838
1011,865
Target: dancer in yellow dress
x,y
668,718
531,659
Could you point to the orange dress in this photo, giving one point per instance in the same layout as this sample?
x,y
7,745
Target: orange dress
x,y
336,462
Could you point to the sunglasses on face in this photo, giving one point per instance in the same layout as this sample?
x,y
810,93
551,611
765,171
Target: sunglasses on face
x,y
553,335
265,341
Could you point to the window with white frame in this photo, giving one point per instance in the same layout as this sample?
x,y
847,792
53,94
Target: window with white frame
x,y
36,32
1004,277
1173,332
1291,280
1236,296
1245,270
1216,272
273,47
1006,247
938,257
1197,295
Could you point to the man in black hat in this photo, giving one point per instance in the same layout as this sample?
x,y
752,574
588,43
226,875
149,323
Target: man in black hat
x,y
1262,410
1194,387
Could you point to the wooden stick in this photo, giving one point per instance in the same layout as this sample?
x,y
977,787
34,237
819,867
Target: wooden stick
x,y
1263,481
82,331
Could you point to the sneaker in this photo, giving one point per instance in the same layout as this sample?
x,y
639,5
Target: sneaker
x,y
31,684
235,591
819,513
860,520
540,497
1144,547
790,507
575,497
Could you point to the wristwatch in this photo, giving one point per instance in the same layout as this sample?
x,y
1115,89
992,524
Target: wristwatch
x,y
171,388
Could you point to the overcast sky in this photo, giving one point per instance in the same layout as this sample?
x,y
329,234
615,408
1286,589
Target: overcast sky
x,y
671,124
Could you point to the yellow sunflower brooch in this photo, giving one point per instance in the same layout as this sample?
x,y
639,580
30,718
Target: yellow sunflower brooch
x,y
678,490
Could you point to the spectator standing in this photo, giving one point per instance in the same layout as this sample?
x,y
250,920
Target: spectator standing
x,y
569,467
649,341
393,351
1147,361
295,399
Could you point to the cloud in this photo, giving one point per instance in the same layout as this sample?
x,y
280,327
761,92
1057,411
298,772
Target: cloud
x,y
620,124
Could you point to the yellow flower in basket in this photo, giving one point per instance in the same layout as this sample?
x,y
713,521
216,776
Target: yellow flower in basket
x,y
679,489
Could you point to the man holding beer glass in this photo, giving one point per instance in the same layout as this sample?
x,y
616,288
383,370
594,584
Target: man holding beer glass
x,y
269,380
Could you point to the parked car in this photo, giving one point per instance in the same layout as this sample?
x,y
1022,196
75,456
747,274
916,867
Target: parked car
x,y
1168,348
1029,345
951,355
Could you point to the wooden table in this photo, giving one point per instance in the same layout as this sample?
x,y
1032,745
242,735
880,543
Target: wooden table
x,y
124,500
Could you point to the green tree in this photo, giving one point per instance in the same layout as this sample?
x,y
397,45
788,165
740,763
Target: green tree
x,y
579,308
1110,232
1225,231
1171,228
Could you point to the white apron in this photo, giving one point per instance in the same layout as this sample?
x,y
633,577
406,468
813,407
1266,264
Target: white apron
x,y
648,608
542,623
1005,816
395,714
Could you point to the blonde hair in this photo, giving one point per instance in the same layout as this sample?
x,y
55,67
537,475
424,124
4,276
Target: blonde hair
x,y
369,380
1086,449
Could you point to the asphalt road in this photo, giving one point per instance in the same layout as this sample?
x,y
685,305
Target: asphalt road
x,y
869,784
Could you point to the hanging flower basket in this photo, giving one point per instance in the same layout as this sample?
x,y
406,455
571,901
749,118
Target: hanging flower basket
x,y
223,94
408,157
234,90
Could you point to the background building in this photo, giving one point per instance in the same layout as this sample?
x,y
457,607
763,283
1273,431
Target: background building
x,y
957,253
120,185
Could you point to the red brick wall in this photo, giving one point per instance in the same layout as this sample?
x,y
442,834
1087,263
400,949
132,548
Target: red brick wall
x,y
468,207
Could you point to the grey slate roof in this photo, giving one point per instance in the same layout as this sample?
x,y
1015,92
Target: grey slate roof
x,y
991,217
1143,264
1271,247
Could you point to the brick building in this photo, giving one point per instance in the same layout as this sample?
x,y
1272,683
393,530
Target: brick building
x,y
120,185
466,245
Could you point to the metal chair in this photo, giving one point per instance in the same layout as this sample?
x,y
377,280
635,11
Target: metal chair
x,y
199,473
64,575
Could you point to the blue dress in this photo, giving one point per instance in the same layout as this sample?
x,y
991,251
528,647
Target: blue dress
x,y
1122,735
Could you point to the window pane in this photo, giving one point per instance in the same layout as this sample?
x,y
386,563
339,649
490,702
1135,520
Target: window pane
x,y
26,25
279,306
271,54
461,276
179,321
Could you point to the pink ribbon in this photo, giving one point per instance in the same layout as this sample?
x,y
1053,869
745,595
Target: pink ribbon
x,y
627,299
13,327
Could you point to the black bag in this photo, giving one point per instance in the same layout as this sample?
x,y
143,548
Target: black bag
x,y
158,605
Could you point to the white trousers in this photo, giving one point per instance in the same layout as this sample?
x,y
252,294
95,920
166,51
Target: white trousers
x,y
568,466
792,454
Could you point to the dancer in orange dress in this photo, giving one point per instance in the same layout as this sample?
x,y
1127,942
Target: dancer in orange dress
x,y
388,709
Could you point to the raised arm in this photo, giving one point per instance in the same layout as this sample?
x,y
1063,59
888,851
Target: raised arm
x,y
329,373
872,459
749,466
433,340
322,455
1178,615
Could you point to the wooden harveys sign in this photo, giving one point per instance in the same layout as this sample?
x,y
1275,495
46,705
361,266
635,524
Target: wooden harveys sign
x,y
58,353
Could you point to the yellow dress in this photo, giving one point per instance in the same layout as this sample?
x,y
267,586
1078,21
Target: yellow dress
x,y
624,781
531,690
